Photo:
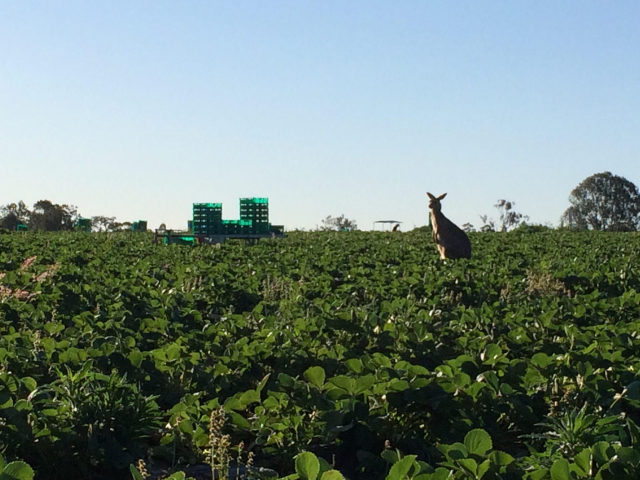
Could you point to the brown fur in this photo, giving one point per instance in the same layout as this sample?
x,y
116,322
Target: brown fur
x,y
451,241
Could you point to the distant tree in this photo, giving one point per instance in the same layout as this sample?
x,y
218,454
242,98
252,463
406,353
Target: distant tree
x,y
13,214
9,221
572,219
508,217
52,217
604,202
122,227
101,223
468,228
488,225
533,228
339,224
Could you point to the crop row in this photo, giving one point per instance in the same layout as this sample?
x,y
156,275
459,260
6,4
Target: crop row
x,y
363,349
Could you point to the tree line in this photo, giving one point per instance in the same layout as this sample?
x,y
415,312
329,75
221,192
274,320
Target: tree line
x,y
48,216
603,201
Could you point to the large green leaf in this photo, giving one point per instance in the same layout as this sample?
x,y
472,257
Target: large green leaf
x,y
469,465
346,383
628,455
583,461
176,476
249,397
30,383
400,469
478,442
501,458
602,452
17,471
315,375
560,470
441,473
307,466
491,353
541,360
634,431
332,475
364,383
135,357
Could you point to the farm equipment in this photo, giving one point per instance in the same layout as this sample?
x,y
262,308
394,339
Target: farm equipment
x,y
208,226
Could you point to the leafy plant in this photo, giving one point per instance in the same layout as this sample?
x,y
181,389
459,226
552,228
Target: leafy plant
x,y
15,470
577,429
115,349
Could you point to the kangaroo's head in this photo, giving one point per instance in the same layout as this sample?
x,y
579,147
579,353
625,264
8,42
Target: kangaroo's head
x,y
434,202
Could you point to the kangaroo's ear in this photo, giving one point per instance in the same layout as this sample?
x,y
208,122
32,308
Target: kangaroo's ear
x,y
431,196
442,196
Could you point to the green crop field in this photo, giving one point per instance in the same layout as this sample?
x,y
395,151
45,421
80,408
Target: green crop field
x,y
364,349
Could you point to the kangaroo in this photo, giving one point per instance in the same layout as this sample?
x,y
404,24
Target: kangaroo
x,y
452,242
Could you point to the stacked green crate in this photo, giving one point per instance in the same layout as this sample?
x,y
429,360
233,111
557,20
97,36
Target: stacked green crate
x,y
180,240
21,227
255,210
237,227
84,225
207,218
139,226
229,227
246,226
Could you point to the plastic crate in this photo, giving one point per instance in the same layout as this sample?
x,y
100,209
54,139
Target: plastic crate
x,y
139,226
84,225
180,240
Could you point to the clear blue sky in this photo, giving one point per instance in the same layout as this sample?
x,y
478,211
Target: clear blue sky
x,y
139,108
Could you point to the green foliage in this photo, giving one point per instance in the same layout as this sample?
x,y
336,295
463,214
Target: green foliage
x,y
478,442
323,346
532,228
307,466
15,471
577,429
